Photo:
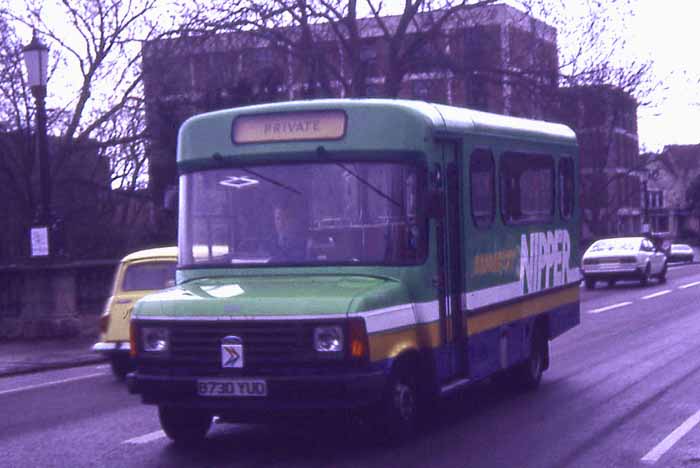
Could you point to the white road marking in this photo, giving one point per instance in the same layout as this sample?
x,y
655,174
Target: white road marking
x,y
144,439
657,294
103,366
610,307
689,285
48,384
663,446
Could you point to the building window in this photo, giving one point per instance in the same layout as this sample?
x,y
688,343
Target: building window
x,y
527,188
174,76
482,174
421,90
368,59
566,187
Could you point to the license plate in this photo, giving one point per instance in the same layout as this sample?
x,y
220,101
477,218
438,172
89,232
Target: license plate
x,y
232,388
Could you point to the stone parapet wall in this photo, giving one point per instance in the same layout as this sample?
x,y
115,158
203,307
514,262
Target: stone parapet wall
x,y
53,301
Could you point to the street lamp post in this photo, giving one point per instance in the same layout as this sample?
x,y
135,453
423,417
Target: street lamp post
x,y
36,56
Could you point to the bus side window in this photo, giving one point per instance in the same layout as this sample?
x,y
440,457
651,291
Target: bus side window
x,y
482,173
527,188
566,187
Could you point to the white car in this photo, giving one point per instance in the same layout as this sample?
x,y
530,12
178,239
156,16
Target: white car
x,y
623,258
681,253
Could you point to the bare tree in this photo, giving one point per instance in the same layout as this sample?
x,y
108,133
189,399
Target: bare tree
x,y
95,119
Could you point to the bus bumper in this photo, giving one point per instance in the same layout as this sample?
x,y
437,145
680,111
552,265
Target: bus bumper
x,y
336,392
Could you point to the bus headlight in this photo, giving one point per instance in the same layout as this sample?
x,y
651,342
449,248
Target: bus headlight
x,y
155,340
328,339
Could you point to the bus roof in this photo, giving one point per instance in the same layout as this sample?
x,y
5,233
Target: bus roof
x,y
416,119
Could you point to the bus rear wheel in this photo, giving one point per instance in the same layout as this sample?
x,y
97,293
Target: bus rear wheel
x,y
528,374
184,426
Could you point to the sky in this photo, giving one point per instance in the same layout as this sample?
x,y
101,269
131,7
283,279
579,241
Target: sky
x,y
665,32
668,32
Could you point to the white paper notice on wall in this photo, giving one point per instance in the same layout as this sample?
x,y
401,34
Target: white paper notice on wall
x,y
39,237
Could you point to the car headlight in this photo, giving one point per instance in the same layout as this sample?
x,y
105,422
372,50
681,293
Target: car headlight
x,y
328,339
155,340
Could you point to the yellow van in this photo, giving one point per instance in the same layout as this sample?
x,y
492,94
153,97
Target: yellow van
x,y
138,274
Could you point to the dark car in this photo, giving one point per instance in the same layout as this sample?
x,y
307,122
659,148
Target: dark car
x,y
680,253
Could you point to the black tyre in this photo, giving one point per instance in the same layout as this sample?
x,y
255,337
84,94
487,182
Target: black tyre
x,y
662,275
121,365
398,414
184,426
645,276
590,283
611,283
528,374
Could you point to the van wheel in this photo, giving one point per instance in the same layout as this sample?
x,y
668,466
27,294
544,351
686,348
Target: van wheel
x,y
645,276
590,283
184,426
398,414
120,366
528,374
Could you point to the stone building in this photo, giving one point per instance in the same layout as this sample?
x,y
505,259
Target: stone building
x,y
605,121
667,178
494,58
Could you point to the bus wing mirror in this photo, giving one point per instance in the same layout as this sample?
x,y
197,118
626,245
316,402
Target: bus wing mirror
x,y
435,206
170,199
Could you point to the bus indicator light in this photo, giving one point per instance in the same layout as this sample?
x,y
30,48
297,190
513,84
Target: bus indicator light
x,y
357,336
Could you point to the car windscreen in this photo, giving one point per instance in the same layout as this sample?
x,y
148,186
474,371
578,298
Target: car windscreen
x,y
149,276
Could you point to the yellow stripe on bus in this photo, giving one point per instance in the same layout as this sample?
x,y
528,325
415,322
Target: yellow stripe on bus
x,y
527,308
389,344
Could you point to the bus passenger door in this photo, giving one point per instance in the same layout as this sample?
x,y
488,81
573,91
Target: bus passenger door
x,y
449,281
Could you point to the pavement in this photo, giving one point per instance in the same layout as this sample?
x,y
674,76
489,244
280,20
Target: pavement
x,y
27,356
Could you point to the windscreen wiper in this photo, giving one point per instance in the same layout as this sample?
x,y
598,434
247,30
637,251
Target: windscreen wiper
x,y
272,181
370,186
219,157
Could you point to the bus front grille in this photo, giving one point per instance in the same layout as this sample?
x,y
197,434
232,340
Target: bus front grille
x,y
269,347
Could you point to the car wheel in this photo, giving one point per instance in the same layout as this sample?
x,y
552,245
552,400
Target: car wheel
x,y
645,276
590,283
120,366
662,275
184,426
528,374
611,283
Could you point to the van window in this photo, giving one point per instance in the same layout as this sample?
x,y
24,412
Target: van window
x,y
566,187
527,188
482,172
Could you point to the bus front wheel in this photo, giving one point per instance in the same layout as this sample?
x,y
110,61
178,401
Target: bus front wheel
x,y
184,426
398,415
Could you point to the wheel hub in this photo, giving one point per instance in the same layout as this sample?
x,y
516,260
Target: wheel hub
x,y
404,401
